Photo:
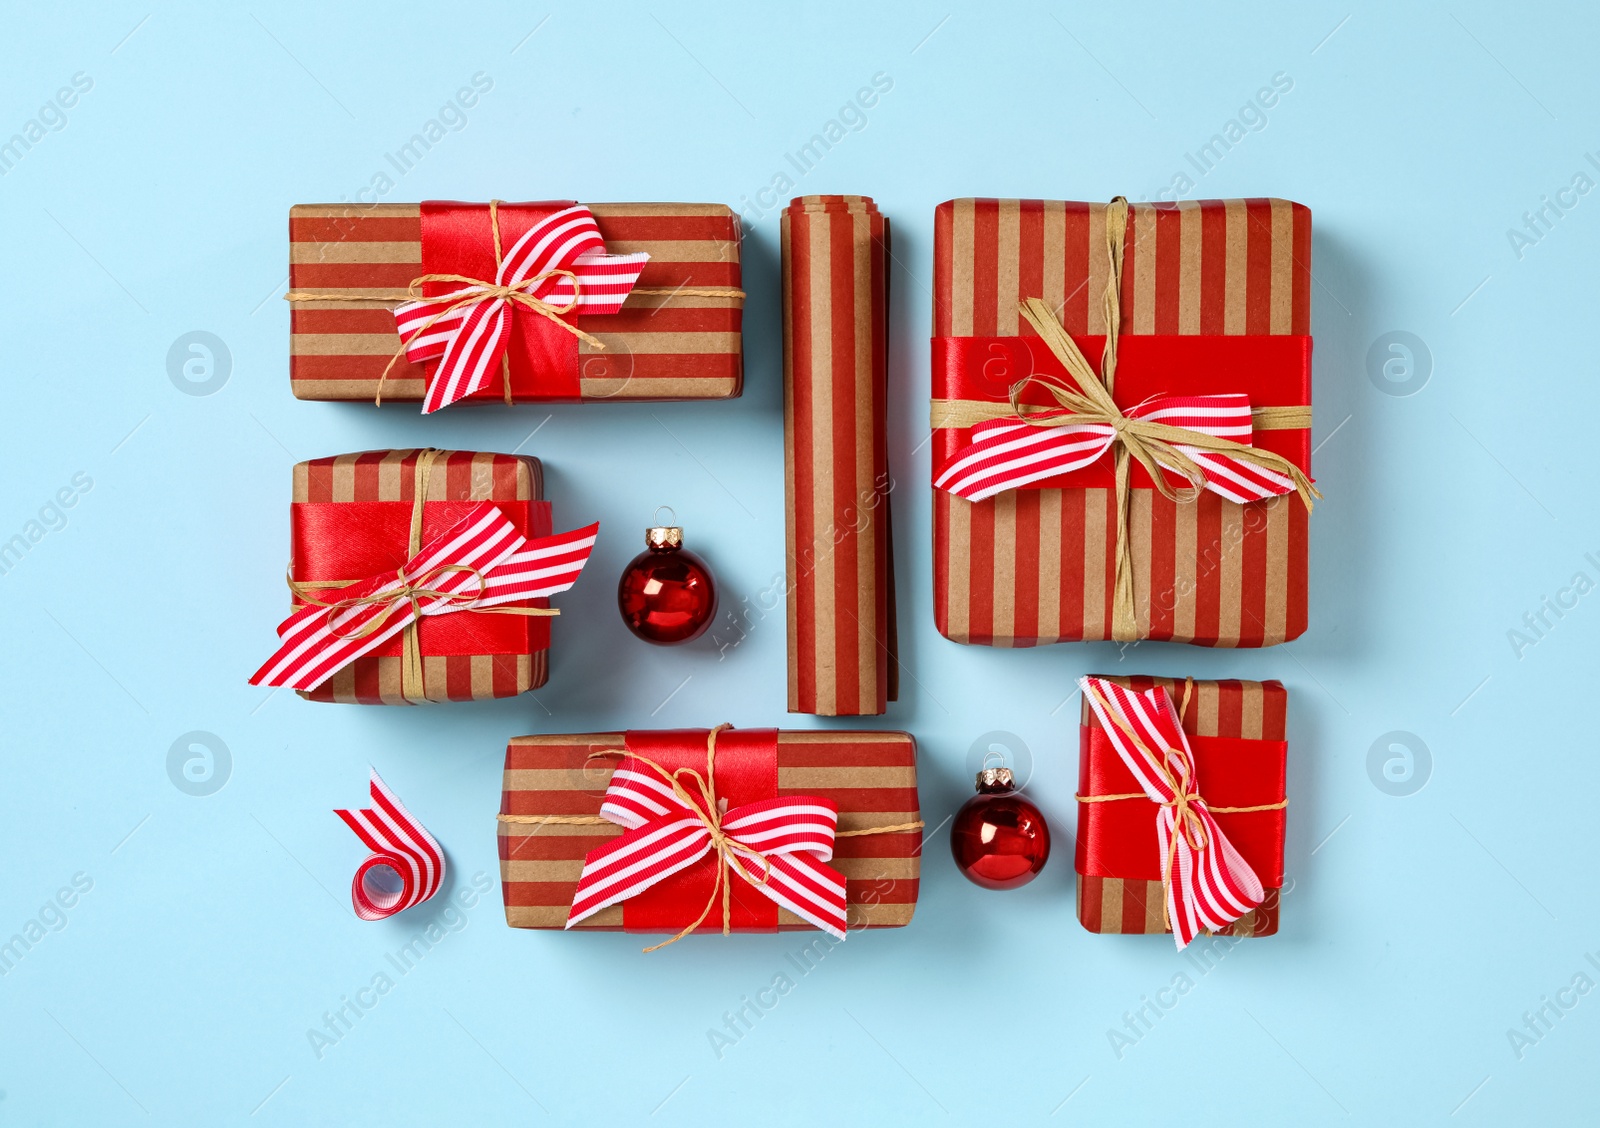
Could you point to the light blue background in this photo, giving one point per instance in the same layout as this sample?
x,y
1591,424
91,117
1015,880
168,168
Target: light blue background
x,y
1419,929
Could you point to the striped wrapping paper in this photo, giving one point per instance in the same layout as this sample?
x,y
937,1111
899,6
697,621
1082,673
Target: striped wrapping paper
x,y
1242,709
872,776
658,347
841,621
1037,566
456,476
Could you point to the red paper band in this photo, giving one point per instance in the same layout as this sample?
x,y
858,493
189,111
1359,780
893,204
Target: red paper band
x,y
457,239
1117,838
349,540
1272,370
746,772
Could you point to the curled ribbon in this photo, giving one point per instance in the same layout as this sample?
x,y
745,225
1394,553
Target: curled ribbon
x,y
399,843
1208,884
1186,436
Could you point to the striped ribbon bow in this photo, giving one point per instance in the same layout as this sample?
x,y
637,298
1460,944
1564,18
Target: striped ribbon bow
x,y
1208,883
481,563
780,846
398,843
559,267
1204,439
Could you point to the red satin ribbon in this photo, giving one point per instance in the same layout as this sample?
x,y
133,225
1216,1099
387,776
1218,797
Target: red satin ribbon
x,y
1273,370
457,239
1118,838
347,540
746,771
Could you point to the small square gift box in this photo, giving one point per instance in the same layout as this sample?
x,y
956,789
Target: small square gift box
x,y
1121,415
711,830
515,302
421,575
1181,806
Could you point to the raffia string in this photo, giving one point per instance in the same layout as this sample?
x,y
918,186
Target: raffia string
x,y
1177,771
1151,444
478,289
710,812
414,590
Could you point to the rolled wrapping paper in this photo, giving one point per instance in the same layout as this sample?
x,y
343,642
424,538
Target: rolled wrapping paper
x,y
841,621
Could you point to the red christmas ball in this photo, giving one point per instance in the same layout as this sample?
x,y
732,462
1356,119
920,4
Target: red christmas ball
x,y
999,839
666,593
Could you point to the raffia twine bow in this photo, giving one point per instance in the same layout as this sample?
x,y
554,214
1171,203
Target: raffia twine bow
x,y
1152,444
414,589
519,293
711,811
1175,768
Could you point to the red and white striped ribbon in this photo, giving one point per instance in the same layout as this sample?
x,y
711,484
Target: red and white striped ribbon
x,y
1208,886
470,339
317,641
399,843
1004,454
787,842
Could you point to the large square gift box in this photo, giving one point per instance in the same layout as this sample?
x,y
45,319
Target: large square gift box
x,y
818,830
1049,532
1181,806
656,314
421,575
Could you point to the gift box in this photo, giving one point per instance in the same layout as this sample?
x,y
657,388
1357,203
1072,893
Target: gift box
x,y
1234,743
840,565
573,804
463,537
675,336
1210,302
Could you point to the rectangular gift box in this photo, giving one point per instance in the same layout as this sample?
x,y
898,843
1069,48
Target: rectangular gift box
x,y
1236,732
871,776
658,347
840,564
1036,565
351,519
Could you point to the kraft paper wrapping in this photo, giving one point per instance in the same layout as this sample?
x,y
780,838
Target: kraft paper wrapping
x,y
872,776
457,476
1036,566
658,347
1245,710
841,622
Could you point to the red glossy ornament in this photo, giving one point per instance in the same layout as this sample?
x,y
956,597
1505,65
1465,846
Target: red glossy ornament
x,y
666,593
999,839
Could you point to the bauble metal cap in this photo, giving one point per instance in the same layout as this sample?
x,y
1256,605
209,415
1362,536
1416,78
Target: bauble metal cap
x,y
996,779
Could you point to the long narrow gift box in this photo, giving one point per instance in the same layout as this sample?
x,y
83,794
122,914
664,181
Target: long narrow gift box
x,y
1237,731
841,621
350,519
661,346
554,786
1037,564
